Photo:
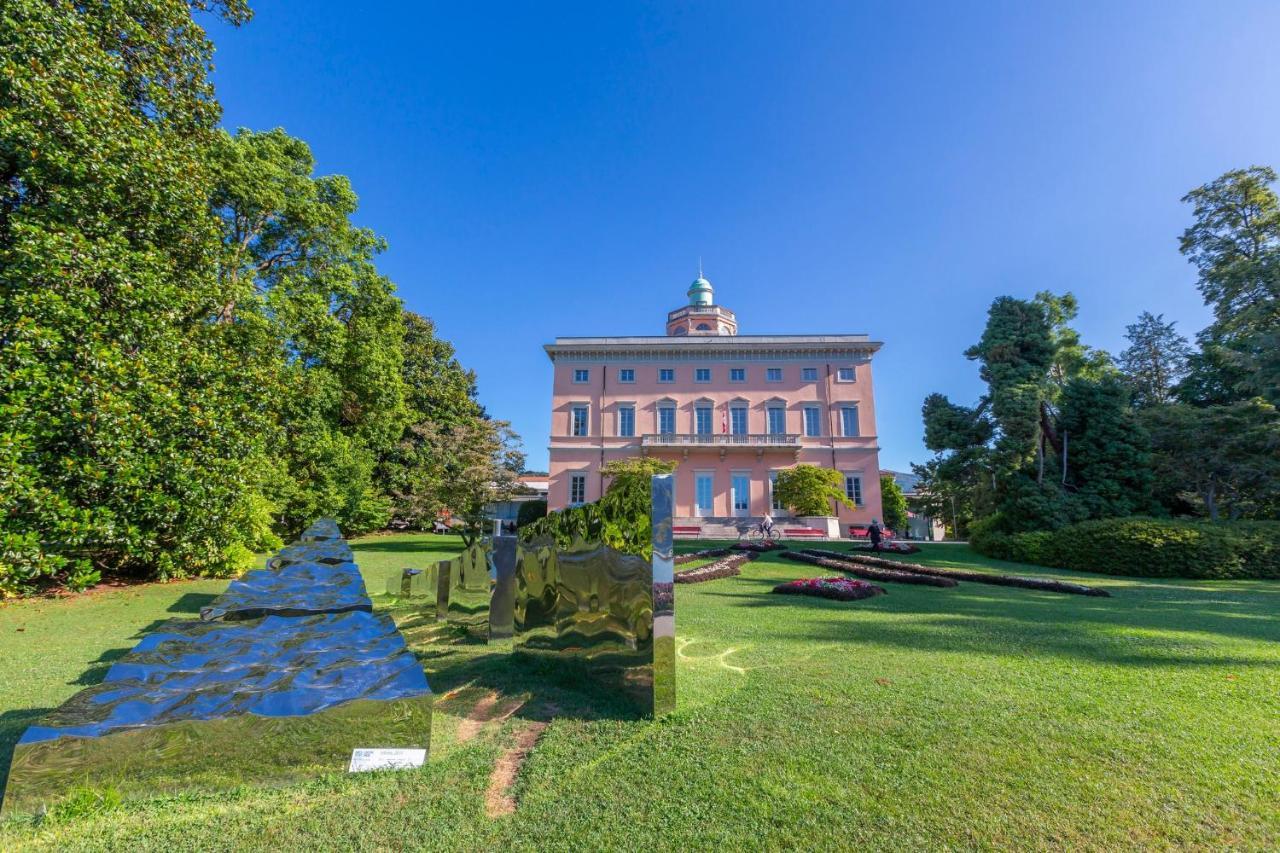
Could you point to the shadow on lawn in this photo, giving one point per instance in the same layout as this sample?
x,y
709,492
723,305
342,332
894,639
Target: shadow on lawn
x,y
12,725
991,620
550,686
427,545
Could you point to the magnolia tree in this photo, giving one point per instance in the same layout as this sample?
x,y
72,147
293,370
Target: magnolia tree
x,y
809,490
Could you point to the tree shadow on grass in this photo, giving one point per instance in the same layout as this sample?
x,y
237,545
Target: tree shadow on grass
x,y
425,547
1154,627
548,684
191,602
12,725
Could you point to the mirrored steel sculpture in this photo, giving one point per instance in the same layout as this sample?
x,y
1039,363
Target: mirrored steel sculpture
x,y
502,602
604,608
664,597
464,589
211,704
412,583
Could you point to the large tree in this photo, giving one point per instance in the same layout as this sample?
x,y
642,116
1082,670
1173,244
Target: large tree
x,y
298,277
1234,243
1226,457
1155,360
130,420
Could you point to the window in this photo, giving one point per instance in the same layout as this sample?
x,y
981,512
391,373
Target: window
x,y
849,420
702,420
626,421
702,493
737,374
667,420
581,420
773,492
777,420
773,374
702,327
581,376
666,374
809,374
812,421
853,488
738,420
626,374
846,374
577,488
702,374
740,485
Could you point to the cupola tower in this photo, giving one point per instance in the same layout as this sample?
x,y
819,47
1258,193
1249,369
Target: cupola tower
x,y
702,316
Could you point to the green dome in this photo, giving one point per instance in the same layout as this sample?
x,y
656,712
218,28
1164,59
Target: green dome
x,y
700,292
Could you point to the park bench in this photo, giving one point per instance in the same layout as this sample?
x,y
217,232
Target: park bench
x,y
692,530
802,533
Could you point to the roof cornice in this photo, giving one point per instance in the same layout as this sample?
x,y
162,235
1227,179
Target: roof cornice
x,y
712,346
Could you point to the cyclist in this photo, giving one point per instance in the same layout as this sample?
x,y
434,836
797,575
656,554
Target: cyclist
x,y
766,526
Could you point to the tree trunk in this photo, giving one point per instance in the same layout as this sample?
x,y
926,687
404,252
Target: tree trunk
x,y
1210,501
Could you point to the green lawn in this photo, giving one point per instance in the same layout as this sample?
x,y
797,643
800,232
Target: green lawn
x,y
977,716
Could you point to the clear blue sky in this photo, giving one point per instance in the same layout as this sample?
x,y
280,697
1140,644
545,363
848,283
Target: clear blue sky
x,y
557,169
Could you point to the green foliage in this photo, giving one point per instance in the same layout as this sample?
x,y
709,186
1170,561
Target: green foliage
x,y
1142,547
530,511
893,504
1234,242
809,489
620,519
297,279
1109,451
1225,457
130,423
199,352
1155,360
630,480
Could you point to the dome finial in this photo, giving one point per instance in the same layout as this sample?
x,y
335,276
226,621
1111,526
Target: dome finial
x,y
700,292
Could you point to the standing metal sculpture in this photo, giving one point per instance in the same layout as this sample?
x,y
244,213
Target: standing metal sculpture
x,y
612,612
284,676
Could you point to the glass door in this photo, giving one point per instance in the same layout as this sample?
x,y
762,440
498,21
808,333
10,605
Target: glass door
x,y
741,495
702,495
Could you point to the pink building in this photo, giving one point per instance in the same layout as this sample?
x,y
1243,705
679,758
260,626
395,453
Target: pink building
x,y
731,409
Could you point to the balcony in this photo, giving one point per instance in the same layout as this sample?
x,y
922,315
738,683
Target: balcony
x,y
724,442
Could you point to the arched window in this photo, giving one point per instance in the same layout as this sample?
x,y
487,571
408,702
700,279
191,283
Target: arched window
x,y
703,327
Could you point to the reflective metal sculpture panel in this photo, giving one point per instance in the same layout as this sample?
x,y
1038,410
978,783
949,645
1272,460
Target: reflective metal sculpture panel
x,y
216,704
211,704
465,587
503,600
604,608
664,598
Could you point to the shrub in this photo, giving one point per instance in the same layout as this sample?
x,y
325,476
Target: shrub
x,y
1142,547
809,489
530,511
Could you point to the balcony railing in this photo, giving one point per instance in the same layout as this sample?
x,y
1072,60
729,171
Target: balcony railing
x,y
754,441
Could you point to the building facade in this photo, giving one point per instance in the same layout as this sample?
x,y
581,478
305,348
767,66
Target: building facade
x,y
732,410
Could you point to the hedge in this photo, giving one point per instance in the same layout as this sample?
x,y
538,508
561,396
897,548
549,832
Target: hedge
x,y
1142,547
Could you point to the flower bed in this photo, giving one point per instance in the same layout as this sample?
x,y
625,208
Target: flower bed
x,y
723,568
758,547
840,589
700,555
893,547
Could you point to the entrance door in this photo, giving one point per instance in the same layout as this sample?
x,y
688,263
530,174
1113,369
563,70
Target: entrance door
x,y
702,494
741,495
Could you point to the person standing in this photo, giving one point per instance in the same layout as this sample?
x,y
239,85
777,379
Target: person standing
x,y
875,533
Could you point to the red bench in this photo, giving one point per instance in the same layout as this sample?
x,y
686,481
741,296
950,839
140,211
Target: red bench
x,y
688,530
861,532
802,533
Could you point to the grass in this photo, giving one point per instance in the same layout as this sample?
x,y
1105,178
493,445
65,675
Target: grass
x,y
970,717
